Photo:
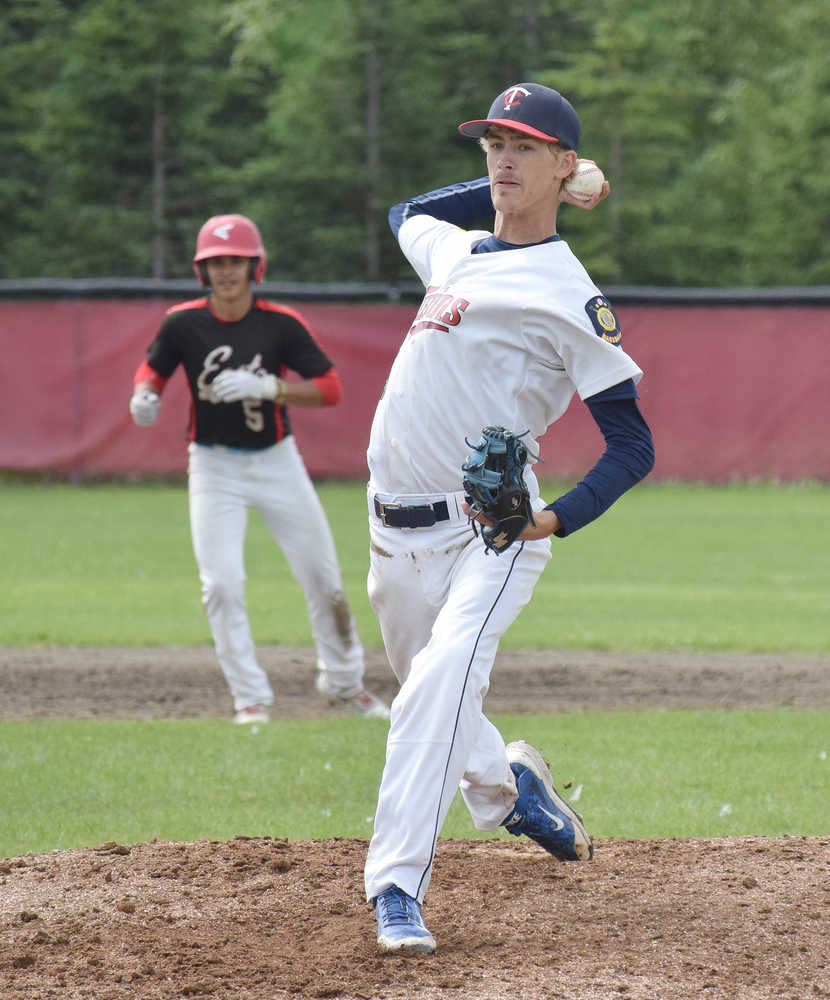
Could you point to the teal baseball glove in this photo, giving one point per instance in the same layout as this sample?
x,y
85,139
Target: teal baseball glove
x,y
493,478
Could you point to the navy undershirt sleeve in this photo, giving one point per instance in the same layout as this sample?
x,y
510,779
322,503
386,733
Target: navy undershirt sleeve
x,y
628,458
461,204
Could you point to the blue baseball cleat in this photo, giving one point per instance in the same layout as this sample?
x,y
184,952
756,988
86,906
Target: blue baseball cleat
x,y
539,812
400,924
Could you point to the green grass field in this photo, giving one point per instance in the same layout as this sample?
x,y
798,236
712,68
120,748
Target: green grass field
x,y
741,569
672,774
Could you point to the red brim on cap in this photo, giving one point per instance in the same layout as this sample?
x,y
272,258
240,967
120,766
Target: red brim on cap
x,y
476,129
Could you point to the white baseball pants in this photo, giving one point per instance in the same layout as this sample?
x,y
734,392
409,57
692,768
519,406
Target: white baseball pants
x,y
223,484
443,602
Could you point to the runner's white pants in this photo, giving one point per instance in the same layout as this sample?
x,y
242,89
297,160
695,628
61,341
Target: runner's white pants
x,y
443,604
223,484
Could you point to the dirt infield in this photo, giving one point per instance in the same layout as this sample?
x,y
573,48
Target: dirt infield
x,y
264,919
185,682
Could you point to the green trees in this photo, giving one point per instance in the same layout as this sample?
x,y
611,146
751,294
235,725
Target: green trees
x,y
124,125
140,116
31,32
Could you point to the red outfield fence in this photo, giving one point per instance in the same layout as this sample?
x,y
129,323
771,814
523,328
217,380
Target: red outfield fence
x,y
733,390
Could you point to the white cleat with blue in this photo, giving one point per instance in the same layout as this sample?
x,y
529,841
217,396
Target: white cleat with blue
x,y
400,924
540,813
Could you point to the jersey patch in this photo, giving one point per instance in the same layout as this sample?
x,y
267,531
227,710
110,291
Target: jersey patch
x,y
604,319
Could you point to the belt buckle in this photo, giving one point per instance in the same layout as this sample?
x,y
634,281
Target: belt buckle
x,y
383,509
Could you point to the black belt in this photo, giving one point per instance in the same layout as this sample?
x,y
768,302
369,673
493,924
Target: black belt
x,y
395,515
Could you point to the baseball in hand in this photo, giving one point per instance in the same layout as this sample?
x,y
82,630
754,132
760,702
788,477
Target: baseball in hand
x,y
585,183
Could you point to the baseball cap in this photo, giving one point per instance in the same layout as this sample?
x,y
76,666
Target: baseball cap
x,y
532,109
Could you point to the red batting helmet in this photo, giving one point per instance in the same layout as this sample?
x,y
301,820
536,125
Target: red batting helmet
x,y
231,236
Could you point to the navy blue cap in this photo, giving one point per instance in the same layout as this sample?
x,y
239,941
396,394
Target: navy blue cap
x,y
534,110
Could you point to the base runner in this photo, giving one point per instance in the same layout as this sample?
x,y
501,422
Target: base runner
x,y
235,348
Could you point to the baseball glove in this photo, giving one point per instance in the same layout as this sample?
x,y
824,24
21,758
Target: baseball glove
x,y
495,487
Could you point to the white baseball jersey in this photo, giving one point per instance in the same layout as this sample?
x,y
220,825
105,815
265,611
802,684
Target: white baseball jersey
x,y
501,338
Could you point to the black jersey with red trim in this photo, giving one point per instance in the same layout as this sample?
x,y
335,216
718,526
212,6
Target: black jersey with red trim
x,y
270,338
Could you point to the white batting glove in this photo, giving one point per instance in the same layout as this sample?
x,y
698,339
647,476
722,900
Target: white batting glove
x,y
234,384
144,407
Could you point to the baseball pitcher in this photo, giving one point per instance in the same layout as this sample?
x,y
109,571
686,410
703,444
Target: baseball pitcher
x,y
510,328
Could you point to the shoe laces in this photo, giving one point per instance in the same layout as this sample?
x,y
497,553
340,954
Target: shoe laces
x,y
515,820
398,909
